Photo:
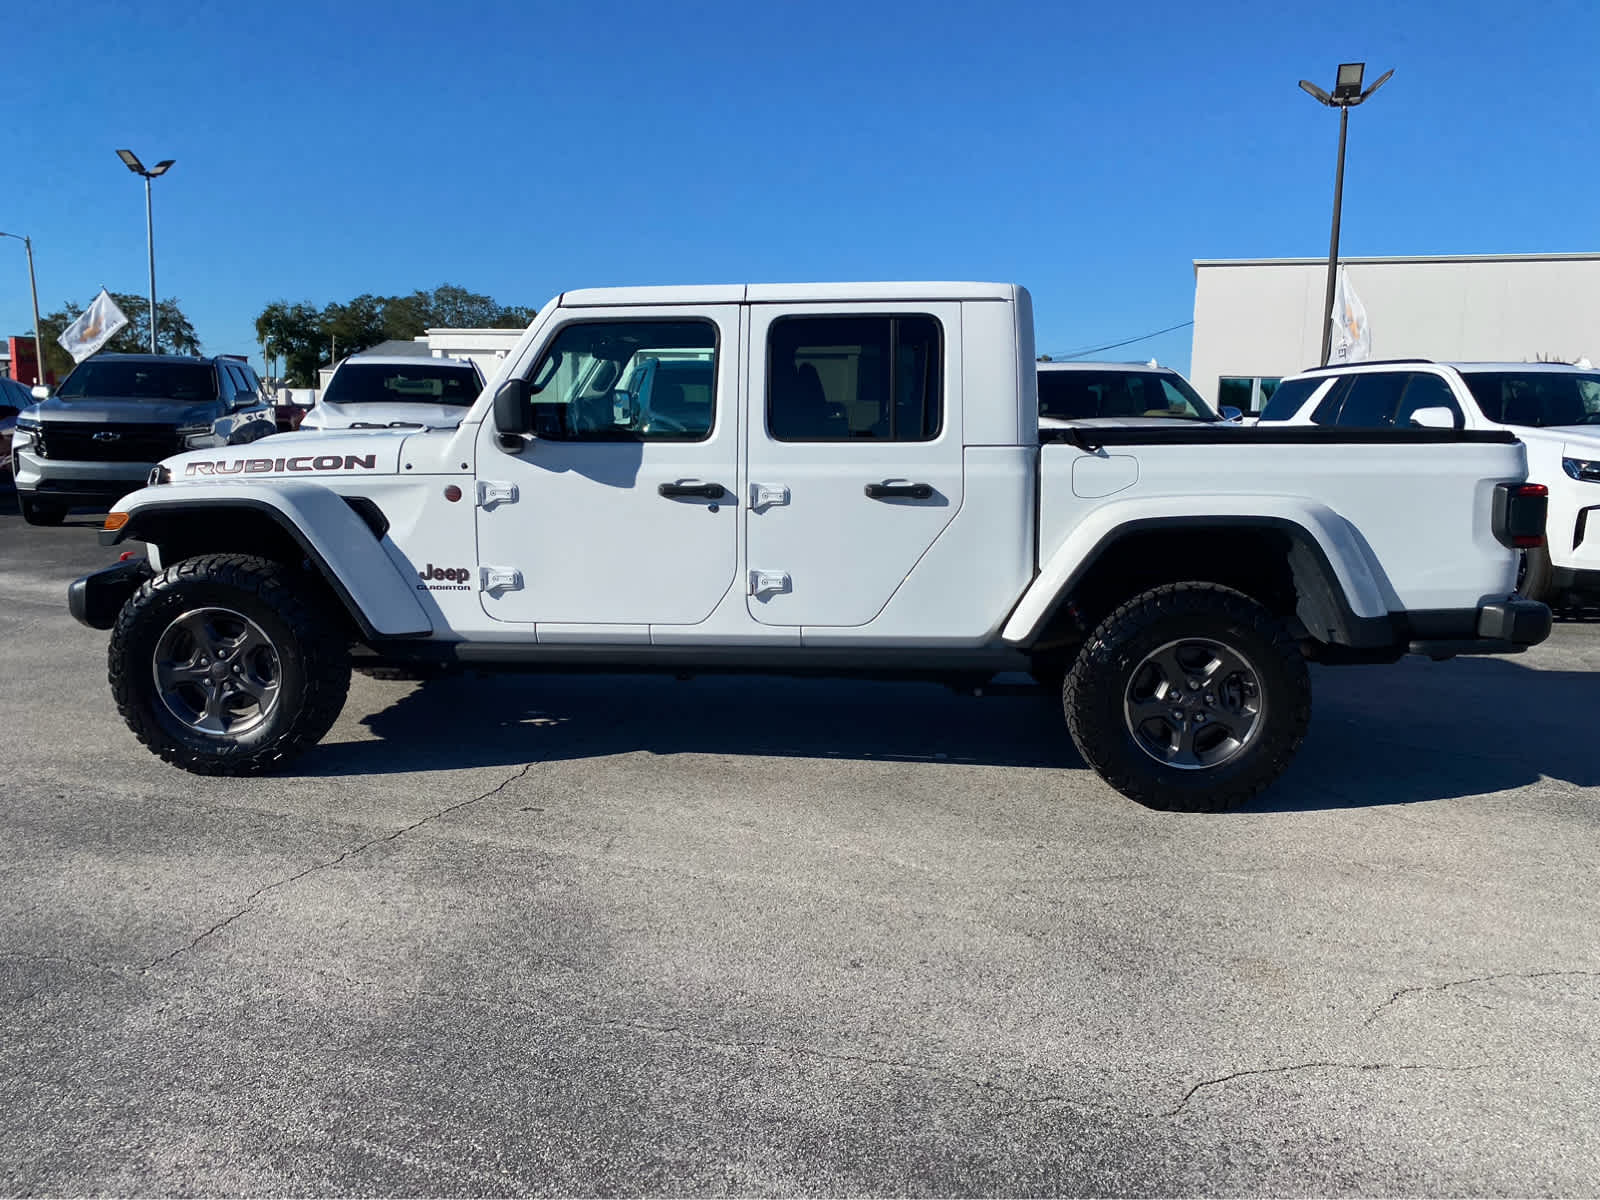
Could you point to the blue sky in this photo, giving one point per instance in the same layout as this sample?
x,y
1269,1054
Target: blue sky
x,y
519,149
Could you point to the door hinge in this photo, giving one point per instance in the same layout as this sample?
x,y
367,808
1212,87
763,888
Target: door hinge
x,y
767,495
769,583
501,579
491,494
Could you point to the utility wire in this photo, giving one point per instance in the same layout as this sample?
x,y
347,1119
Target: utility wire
x,y
1143,337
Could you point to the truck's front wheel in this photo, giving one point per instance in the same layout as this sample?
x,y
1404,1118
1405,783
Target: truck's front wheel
x,y
1191,697
222,667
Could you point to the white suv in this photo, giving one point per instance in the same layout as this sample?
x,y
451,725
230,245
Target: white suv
x,y
372,391
1553,408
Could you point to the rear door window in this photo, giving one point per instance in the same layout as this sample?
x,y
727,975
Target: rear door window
x,y
1426,391
1372,400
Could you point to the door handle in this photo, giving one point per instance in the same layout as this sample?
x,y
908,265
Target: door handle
x,y
698,491
899,491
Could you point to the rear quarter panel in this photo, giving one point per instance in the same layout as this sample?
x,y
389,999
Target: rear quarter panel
x,y
1406,526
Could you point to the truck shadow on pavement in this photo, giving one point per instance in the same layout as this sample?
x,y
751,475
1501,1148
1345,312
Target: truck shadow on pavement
x,y
1401,734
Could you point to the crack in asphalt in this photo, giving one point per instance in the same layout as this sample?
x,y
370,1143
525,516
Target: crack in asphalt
x,y
1455,983
684,1033
251,899
1312,1066
111,968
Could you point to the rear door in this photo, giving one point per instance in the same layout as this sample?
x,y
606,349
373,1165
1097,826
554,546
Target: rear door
x,y
855,454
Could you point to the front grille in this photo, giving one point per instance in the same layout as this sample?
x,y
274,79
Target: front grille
x,y
106,443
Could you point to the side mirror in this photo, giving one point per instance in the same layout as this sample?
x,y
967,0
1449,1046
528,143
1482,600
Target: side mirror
x,y
512,415
1436,417
1231,415
40,392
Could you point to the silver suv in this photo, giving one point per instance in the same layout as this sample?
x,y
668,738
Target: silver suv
x,y
1104,393
117,415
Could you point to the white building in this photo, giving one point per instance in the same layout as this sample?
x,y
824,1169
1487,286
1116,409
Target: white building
x,y
1256,320
486,347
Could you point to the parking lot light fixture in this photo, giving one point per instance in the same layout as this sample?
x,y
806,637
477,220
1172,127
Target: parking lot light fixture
x,y
131,161
33,287
1346,95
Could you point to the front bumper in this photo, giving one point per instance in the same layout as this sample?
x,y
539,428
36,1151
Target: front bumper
x,y
1504,627
97,598
77,482
1574,581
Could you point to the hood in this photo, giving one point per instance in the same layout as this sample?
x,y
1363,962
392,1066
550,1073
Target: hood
x,y
296,456
419,413
114,410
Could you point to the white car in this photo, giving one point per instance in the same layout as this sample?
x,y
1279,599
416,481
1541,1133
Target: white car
x,y
1108,393
394,392
1553,408
813,479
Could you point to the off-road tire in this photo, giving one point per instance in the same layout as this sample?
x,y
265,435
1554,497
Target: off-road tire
x,y
311,650
41,512
1535,576
1095,690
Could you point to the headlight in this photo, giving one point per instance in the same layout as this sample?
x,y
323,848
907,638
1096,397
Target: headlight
x,y
196,436
1586,469
22,437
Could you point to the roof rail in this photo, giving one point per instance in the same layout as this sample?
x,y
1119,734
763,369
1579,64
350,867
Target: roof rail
x,y
1370,362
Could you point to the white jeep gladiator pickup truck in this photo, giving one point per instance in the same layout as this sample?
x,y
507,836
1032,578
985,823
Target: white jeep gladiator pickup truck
x,y
841,479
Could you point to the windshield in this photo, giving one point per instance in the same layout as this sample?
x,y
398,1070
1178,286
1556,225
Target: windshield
x,y
1537,398
386,383
184,382
1077,395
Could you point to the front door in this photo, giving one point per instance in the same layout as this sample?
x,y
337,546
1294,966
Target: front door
x,y
624,508
855,454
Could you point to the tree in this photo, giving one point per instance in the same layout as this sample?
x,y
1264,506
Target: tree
x,y
174,332
305,338
294,333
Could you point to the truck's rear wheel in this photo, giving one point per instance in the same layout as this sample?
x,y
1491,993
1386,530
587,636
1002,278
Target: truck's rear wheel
x,y
222,668
1191,697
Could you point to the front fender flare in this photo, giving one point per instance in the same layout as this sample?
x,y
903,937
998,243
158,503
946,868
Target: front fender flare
x,y
337,541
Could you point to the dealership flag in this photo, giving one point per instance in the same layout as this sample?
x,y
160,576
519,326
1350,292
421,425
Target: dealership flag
x,y
97,326
1352,336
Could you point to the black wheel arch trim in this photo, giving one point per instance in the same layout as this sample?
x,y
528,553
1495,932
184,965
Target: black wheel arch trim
x,y
112,537
1321,605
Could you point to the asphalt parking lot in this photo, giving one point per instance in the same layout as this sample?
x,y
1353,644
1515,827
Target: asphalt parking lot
x,y
637,935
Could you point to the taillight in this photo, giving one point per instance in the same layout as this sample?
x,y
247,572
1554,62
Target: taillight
x,y
1519,514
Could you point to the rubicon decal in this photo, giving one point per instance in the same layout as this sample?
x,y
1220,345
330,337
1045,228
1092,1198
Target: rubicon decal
x,y
275,466
443,579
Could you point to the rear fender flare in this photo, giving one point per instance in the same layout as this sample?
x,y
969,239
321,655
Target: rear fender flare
x,y
1342,591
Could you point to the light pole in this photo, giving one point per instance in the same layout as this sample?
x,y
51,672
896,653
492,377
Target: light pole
x,y
38,344
131,161
1347,94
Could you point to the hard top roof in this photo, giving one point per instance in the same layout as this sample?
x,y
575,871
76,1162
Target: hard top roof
x,y
165,358
1466,368
780,293
1077,365
406,360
